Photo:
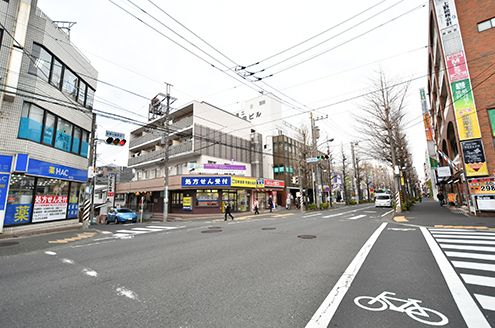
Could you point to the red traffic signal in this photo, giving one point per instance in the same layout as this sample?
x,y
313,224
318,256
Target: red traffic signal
x,y
115,141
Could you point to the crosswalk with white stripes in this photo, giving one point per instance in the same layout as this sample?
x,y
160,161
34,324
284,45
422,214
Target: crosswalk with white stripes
x,y
131,232
472,257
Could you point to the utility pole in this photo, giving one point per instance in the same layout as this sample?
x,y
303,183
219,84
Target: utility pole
x,y
301,203
91,180
165,159
314,139
344,174
396,172
354,164
329,173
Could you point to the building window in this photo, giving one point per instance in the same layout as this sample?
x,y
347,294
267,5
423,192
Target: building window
x,y
76,141
486,25
84,144
19,200
81,95
31,122
90,97
49,129
262,102
64,135
51,200
41,62
56,74
70,83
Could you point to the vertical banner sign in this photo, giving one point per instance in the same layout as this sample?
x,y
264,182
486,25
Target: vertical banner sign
x,y
5,167
426,116
468,127
111,189
474,157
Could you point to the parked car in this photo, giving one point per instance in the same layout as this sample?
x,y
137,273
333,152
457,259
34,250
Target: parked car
x,y
383,200
122,215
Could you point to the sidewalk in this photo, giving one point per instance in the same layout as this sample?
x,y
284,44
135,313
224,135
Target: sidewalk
x,y
430,213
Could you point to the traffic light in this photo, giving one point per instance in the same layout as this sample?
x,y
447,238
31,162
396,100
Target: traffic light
x,y
322,157
115,141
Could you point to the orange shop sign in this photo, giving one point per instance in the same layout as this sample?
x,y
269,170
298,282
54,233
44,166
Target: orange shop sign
x,y
482,186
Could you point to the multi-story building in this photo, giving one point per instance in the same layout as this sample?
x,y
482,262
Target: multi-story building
x,y
460,88
46,99
214,158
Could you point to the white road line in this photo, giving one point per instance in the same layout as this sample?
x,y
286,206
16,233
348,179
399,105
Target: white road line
x,y
356,217
67,261
326,311
466,233
463,237
487,302
147,229
50,253
468,248
90,272
333,215
478,256
132,231
106,232
165,227
474,279
311,215
122,291
471,313
369,211
474,265
384,214
466,241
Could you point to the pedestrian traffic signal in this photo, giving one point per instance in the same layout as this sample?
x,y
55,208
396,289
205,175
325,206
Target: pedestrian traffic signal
x,y
322,157
295,180
115,141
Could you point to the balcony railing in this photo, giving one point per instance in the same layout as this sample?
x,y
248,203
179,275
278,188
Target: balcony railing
x,y
175,150
156,135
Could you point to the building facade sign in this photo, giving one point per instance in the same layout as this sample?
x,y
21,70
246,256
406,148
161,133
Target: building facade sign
x,y
187,203
474,158
5,163
269,183
229,169
482,186
460,84
205,182
49,208
243,182
51,170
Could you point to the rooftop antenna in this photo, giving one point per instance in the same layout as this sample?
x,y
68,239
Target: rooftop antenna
x,y
65,26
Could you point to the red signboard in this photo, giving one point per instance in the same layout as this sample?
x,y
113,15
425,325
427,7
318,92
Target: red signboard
x,y
269,183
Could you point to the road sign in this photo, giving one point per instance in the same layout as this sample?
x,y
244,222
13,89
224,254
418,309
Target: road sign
x,y
114,134
312,159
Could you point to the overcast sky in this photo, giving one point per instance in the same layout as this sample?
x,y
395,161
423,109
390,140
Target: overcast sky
x,y
391,36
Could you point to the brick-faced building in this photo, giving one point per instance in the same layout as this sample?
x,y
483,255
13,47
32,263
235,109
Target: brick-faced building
x,y
46,97
461,89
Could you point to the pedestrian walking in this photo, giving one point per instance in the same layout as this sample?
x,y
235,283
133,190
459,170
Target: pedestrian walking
x,y
256,207
228,210
440,198
288,203
270,203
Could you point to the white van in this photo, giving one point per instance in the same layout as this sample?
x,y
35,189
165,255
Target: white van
x,y
383,200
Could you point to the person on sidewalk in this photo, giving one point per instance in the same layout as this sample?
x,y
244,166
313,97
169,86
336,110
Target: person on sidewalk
x,y
228,210
256,207
288,203
270,203
440,198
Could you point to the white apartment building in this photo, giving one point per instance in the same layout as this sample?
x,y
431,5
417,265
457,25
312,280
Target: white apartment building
x,y
47,93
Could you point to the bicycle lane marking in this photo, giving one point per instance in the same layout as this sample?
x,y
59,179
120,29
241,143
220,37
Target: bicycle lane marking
x,y
398,285
325,312
471,313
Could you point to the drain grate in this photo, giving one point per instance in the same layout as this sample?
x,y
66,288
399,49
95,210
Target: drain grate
x,y
210,231
268,228
306,236
8,243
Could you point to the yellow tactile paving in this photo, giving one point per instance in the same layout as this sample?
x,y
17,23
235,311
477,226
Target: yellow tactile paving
x,y
79,236
400,219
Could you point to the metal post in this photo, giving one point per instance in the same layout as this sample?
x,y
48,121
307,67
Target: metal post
x,y
317,190
301,191
91,180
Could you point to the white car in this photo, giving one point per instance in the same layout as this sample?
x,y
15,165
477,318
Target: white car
x,y
383,200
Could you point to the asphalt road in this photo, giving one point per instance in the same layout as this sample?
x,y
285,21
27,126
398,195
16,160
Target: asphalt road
x,y
257,272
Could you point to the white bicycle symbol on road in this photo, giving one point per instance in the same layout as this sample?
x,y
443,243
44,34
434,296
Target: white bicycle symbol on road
x,y
410,306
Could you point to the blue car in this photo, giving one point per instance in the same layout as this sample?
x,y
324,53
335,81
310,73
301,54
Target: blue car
x,y
121,215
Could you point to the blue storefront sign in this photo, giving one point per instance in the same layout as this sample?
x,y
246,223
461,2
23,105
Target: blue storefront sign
x,y
73,210
51,170
205,181
5,163
4,189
